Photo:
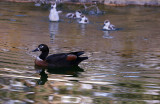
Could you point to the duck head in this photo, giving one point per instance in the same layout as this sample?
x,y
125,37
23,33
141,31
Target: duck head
x,y
44,49
53,6
83,19
41,47
107,23
82,16
78,14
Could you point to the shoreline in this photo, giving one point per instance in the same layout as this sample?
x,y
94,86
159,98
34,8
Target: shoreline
x,y
114,4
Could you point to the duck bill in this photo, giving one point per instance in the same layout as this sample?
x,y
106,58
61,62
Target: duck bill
x,y
37,49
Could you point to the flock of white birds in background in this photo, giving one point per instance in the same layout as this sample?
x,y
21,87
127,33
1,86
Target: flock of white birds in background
x,y
54,17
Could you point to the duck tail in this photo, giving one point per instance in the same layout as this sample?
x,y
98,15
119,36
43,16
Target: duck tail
x,y
78,53
80,59
83,58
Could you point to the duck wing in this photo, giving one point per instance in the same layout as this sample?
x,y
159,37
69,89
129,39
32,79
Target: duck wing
x,y
66,59
55,58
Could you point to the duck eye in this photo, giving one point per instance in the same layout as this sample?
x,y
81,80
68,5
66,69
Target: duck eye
x,y
106,22
41,47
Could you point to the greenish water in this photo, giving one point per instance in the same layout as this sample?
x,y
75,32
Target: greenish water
x,y
123,66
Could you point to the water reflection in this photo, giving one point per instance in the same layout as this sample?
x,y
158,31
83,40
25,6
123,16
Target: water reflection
x,y
83,29
74,71
93,9
16,85
43,78
106,35
53,30
14,102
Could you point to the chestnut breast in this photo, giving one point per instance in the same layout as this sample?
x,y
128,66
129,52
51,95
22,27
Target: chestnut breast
x,y
42,63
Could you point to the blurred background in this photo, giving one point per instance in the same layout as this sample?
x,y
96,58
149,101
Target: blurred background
x,y
123,65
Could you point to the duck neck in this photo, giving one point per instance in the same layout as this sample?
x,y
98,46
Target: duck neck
x,y
53,10
43,55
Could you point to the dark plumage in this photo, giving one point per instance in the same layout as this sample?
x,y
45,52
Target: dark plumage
x,y
57,60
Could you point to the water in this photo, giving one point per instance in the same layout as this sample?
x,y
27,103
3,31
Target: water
x,y
123,66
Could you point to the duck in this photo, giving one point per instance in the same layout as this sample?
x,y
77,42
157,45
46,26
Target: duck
x,y
59,60
108,26
70,15
75,15
54,14
83,20
78,14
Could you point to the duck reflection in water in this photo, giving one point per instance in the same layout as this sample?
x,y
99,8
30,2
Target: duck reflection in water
x,y
74,71
83,29
106,35
53,30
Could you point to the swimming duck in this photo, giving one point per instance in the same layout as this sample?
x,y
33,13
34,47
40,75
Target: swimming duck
x,y
54,14
77,14
108,25
57,60
70,15
83,19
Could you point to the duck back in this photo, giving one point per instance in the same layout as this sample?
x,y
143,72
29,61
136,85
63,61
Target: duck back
x,y
65,59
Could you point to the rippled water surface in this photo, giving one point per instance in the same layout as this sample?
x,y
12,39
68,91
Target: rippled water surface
x,y
123,66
